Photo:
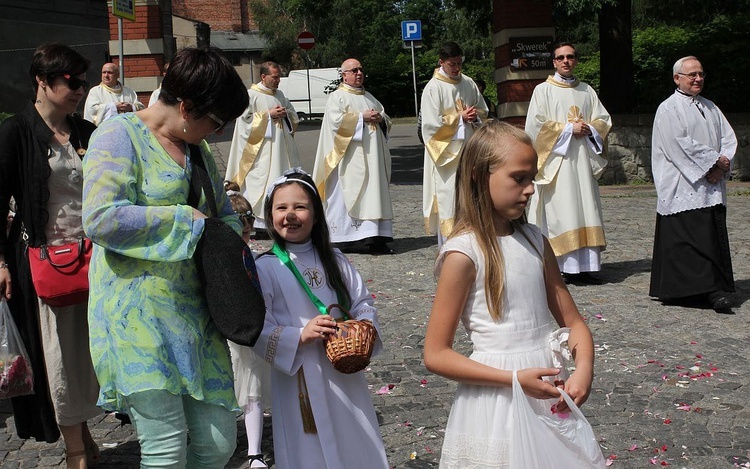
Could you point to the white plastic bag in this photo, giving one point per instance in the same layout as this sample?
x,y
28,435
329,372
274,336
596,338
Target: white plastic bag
x,y
551,440
16,378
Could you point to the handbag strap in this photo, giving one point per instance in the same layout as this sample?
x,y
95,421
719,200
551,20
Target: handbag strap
x,y
44,253
287,261
200,181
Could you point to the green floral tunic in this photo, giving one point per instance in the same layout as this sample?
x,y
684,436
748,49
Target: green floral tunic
x,y
149,324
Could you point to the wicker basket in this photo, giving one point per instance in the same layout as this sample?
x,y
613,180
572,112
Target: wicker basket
x,y
350,348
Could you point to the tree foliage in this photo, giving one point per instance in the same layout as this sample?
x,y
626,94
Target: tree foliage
x,y
370,31
662,32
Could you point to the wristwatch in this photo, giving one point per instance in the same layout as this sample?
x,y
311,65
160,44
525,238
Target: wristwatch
x,y
4,265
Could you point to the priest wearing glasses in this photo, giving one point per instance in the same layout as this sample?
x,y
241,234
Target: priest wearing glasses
x,y
569,127
691,157
353,166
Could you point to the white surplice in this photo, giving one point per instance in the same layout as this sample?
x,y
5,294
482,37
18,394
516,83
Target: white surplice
x,y
262,148
348,434
685,145
566,203
353,167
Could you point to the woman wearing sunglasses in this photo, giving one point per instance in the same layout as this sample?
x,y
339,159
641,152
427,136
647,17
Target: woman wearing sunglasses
x,y
157,354
40,168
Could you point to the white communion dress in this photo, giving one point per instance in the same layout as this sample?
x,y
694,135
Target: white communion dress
x,y
479,433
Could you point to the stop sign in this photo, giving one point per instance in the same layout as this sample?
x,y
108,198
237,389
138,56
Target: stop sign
x,y
306,40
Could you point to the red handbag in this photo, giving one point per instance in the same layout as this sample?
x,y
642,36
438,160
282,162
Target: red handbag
x,y
61,273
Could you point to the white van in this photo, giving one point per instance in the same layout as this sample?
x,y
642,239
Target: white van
x,y
294,88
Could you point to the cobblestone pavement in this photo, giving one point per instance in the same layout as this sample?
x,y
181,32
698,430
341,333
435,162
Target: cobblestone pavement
x,y
671,381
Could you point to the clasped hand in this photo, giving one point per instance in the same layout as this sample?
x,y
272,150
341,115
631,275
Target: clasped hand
x,y
717,172
469,114
277,112
581,129
319,327
372,116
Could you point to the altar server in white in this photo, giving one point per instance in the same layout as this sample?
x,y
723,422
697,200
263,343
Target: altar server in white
x,y
452,107
263,145
353,166
569,127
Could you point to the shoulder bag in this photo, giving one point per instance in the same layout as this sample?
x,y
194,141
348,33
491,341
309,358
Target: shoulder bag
x,y
226,267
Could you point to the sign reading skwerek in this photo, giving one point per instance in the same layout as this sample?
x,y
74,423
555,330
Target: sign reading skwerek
x,y
530,53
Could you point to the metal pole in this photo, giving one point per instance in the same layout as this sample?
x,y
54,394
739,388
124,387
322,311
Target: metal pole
x,y
414,75
119,38
309,95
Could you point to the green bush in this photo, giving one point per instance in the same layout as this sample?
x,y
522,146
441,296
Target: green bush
x,y
587,70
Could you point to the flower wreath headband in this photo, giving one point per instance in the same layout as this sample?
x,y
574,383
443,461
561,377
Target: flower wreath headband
x,y
285,177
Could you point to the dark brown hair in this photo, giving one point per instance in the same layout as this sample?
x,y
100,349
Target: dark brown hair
x,y
54,59
205,78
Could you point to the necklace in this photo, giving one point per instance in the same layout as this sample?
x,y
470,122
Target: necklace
x,y
74,176
312,275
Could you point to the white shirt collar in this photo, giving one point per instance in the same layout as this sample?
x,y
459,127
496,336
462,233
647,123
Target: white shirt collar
x,y
442,72
566,80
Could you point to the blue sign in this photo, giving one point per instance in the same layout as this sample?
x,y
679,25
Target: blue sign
x,y
411,30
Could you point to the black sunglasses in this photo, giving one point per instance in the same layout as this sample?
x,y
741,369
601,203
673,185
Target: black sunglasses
x,y
560,58
74,82
219,123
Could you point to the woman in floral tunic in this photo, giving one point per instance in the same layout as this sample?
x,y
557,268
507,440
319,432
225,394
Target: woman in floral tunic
x,y
157,354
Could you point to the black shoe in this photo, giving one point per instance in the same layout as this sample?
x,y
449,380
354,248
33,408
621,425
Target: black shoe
x,y
720,303
583,278
380,248
256,457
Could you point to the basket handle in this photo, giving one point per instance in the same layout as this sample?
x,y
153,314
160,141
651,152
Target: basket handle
x,y
340,308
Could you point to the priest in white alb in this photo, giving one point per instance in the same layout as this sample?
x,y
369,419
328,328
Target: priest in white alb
x,y
110,97
452,106
263,145
569,127
353,166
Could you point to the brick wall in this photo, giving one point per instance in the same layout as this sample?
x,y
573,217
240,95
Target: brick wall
x,y
513,91
509,14
142,65
221,15
147,24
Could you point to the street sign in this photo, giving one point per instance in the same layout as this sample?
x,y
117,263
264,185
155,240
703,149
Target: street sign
x,y
411,30
306,40
530,53
410,44
124,9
